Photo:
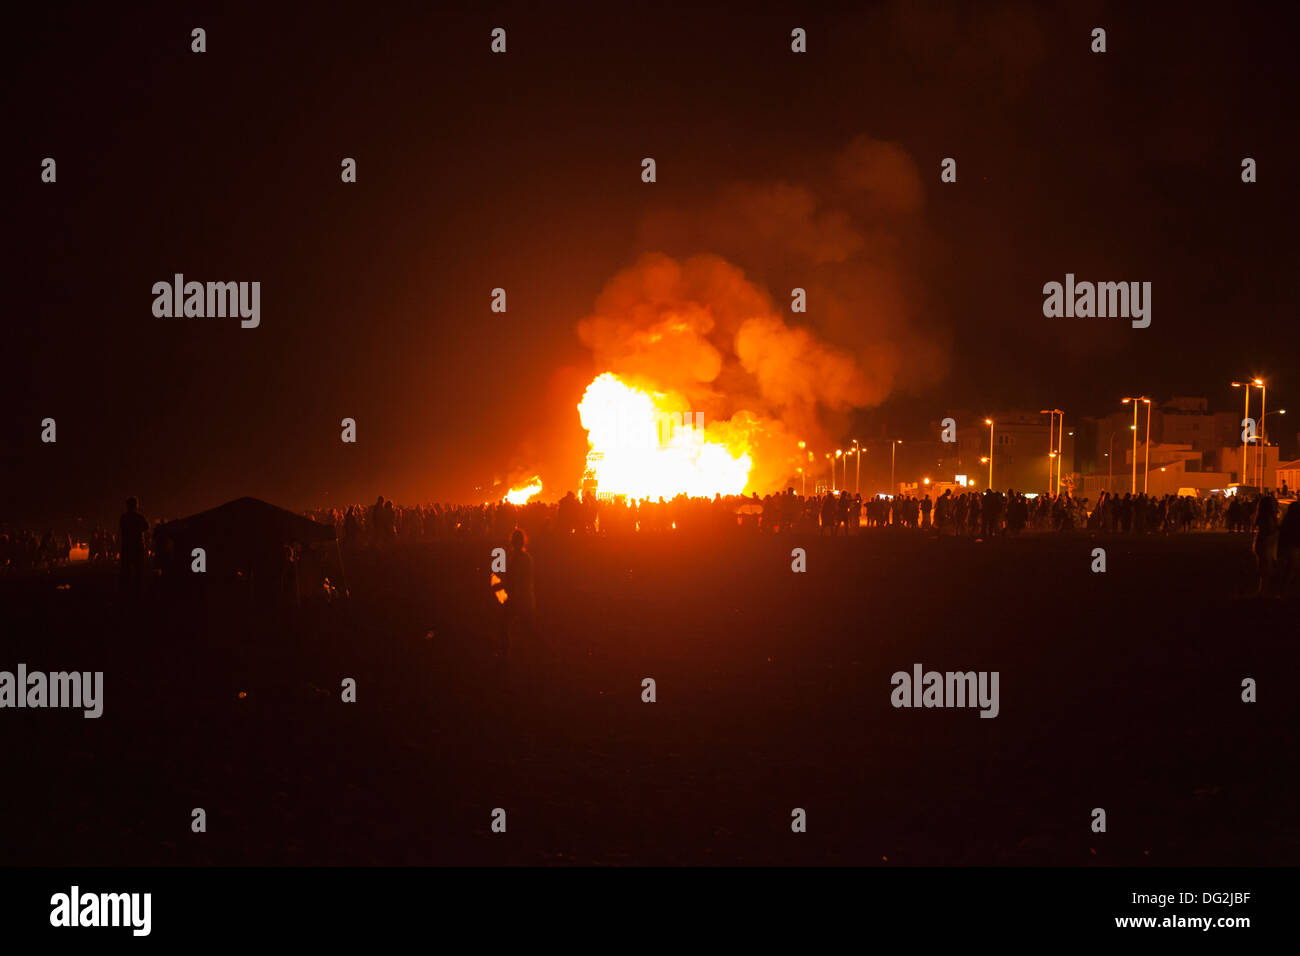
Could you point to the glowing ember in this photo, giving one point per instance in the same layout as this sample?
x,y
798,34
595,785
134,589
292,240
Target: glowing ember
x,y
519,496
648,445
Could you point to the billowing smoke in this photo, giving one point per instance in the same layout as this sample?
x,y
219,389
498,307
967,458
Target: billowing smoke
x,y
709,316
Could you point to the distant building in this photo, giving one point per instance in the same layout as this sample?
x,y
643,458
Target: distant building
x,y
1288,473
1187,421
1229,459
1181,420
1178,466
1021,442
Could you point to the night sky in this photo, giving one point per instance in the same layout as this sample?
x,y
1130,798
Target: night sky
x,y
523,171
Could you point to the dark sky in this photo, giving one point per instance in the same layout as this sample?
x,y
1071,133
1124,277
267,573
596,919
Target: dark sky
x,y
523,171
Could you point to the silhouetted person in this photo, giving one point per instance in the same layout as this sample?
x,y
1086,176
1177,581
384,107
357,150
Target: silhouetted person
x,y
943,510
1266,540
133,526
1288,549
390,521
521,602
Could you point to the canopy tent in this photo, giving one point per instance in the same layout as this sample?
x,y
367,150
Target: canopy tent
x,y
246,533
245,521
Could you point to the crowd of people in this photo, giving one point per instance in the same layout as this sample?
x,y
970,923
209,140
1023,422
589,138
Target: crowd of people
x,y
975,514
1275,531
385,523
25,550
970,513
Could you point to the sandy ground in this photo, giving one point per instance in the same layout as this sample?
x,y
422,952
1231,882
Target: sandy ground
x,y
1119,690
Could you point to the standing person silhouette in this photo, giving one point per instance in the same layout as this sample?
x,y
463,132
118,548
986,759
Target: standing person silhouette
x,y
1267,529
133,526
1288,546
520,607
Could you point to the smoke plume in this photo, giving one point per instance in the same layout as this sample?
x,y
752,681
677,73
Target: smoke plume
x,y
708,316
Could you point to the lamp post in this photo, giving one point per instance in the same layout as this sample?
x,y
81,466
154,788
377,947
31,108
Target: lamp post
x,y
1280,411
893,449
989,422
1245,415
1051,443
1055,429
1133,485
1146,461
1261,453
857,468
1060,447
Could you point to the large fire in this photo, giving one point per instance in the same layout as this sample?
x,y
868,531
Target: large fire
x,y
519,496
647,445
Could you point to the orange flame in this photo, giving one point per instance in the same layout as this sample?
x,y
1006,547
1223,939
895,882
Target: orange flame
x,y
519,496
645,445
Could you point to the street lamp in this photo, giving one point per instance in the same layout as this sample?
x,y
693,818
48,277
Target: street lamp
x,y
1146,449
1261,455
1246,415
1060,447
1133,486
1054,443
857,468
893,449
989,422
1279,411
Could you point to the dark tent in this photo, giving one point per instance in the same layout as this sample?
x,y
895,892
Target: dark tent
x,y
247,520
244,537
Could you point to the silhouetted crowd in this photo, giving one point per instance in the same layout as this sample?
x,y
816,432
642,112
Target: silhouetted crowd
x,y
1276,539
1275,531
24,550
978,514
